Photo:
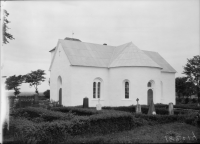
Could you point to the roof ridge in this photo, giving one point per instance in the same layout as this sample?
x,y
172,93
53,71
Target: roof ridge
x,y
111,61
88,43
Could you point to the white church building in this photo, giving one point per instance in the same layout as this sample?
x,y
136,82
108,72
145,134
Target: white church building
x,y
115,75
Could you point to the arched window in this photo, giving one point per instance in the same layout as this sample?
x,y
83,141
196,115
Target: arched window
x,y
94,89
97,88
126,90
149,84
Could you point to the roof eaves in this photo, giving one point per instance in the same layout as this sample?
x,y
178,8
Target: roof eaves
x,y
54,55
52,49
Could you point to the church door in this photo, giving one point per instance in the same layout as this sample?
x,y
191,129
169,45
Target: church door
x,y
60,96
149,96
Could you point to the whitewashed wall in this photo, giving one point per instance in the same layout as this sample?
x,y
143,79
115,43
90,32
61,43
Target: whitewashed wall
x,y
168,80
61,67
82,84
138,77
77,83
112,87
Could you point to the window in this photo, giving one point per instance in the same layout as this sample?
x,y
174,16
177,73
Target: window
x,y
149,84
97,88
99,85
94,89
126,90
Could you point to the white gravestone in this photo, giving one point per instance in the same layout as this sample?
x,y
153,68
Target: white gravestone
x,y
98,106
171,109
138,108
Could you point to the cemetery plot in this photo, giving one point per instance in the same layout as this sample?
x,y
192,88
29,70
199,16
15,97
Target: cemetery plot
x,y
39,125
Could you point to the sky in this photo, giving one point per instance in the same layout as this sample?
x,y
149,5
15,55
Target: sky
x,y
168,27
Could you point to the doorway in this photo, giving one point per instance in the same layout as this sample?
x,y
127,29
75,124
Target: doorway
x,y
149,96
60,96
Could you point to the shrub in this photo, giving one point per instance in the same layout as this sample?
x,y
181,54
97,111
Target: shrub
x,y
159,105
40,114
188,106
130,109
160,109
194,100
160,119
186,100
27,131
47,94
77,110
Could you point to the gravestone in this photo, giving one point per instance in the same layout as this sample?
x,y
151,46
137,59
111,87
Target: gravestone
x,y
98,106
151,108
36,98
171,109
138,107
85,102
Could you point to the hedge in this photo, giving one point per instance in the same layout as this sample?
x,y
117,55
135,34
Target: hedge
x,y
144,109
181,106
41,114
77,110
187,106
189,118
27,131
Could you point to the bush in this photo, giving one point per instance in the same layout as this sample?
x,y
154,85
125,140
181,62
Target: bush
x,y
186,100
160,119
187,106
27,131
160,109
194,100
130,109
189,118
41,114
159,105
47,94
77,110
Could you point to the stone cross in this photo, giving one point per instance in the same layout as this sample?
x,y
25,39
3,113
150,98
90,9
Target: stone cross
x,y
137,100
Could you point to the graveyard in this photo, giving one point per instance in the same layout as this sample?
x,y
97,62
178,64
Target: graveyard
x,y
53,123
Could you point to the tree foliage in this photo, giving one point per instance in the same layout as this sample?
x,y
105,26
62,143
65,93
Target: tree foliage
x,y
6,35
47,94
184,87
35,78
192,70
13,82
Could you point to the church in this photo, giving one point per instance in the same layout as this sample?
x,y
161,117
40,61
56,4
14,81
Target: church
x,y
111,75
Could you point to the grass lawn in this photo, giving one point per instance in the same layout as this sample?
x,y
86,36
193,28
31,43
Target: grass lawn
x,y
172,132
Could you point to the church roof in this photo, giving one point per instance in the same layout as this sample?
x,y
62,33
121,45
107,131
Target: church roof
x,y
160,61
95,55
67,38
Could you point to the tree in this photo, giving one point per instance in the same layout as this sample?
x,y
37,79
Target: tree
x,y
192,70
6,35
184,87
47,94
13,82
35,78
